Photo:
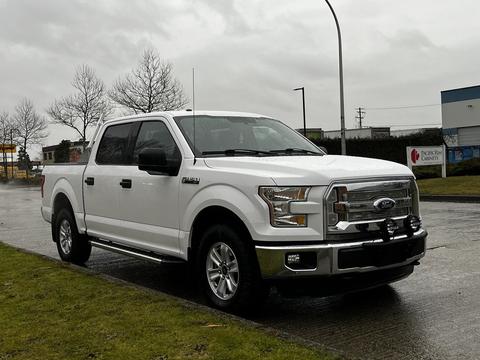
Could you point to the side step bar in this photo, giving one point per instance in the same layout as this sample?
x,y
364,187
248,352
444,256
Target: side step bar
x,y
140,254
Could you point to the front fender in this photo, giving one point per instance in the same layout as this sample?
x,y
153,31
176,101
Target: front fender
x,y
251,211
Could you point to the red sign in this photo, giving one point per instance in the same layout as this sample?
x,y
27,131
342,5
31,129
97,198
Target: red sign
x,y
414,156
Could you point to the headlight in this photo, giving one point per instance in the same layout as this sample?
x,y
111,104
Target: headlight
x,y
279,199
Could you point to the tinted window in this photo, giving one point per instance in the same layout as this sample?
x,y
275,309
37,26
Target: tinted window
x,y
113,148
155,135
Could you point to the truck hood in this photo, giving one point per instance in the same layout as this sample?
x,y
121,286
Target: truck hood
x,y
309,170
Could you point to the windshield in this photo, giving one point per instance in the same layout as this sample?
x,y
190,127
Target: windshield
x,y
230,136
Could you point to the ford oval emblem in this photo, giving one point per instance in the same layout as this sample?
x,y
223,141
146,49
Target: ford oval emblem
x,y
384,204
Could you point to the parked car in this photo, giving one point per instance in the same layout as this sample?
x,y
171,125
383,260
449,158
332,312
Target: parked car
x,y
247,201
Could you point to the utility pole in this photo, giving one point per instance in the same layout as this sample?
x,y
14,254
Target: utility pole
x,y
304,117
360,116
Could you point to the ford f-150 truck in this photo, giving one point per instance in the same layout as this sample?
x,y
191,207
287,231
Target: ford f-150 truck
x,y
247,201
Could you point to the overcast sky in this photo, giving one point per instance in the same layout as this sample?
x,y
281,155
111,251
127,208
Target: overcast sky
x,y
249,55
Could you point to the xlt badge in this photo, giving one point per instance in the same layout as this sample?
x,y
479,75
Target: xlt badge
x,y
190,180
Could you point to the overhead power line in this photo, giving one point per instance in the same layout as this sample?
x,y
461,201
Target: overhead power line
x,y
402,107
412,125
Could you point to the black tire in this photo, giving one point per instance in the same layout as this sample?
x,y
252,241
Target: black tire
x,y
79,250
251,290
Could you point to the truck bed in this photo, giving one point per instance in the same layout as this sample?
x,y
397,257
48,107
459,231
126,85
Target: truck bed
x,y
68,179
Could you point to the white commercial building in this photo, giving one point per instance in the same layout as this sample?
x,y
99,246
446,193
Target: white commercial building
x,y
461,116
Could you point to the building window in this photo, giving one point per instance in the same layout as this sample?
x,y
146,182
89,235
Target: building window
x,y
44,156
50,156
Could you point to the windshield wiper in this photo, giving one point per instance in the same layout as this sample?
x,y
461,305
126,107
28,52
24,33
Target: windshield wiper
x,y
296,151
233,152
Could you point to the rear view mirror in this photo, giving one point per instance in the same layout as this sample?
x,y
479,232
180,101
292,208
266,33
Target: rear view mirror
x,y
154,161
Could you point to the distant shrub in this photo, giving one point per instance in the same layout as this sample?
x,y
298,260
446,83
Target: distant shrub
x,y
469,167
391,148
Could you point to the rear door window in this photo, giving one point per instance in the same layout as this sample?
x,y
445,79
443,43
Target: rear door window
x,y
114,147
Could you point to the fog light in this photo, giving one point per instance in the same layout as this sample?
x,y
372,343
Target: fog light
x,y
301,261
293,259
389,227
412,223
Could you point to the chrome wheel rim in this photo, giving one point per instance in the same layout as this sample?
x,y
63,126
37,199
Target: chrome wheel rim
x,y
65,237
222,271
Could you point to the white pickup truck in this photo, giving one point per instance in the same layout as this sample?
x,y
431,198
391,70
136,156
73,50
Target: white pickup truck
x,y
244,199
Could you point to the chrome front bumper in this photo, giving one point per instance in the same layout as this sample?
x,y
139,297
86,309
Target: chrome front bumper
x,y
272,259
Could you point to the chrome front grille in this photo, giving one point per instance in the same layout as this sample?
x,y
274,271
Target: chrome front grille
x,y
359,202
351,205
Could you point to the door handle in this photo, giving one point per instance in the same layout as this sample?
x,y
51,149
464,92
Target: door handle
x,y
90,181
126,183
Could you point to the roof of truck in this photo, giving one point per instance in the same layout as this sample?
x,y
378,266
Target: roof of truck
x,y
186,113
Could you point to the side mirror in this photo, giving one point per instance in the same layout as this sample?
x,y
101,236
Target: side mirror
x,y
324,149
154,161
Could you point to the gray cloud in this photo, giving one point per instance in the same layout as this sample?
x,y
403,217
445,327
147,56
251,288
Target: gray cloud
x,y
249,55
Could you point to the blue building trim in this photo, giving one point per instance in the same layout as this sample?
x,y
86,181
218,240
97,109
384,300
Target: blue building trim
x,y
463,94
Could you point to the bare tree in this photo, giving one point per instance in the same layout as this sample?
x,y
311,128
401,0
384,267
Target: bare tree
x,y
151,86
29,126
84,108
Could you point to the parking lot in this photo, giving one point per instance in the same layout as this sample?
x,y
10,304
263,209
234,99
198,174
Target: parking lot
x,y
433,314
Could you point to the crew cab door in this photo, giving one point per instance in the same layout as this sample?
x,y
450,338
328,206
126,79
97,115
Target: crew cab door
x,y
150,206
126,205
111,156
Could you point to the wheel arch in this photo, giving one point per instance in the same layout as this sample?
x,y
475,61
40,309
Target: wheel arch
x,y
216,214
61,201
63,194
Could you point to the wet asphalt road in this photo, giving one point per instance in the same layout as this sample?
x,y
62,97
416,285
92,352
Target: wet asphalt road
x,y
433,314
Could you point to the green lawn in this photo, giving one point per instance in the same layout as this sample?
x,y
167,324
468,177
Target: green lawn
x,y
51,311
455,185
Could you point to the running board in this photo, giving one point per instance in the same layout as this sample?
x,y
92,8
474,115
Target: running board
x,y
140,254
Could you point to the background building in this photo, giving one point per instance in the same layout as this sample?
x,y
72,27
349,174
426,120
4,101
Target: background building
x,y
461,116
364,133
417,131
76,150
461,123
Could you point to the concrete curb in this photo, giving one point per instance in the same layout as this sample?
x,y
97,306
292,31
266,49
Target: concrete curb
x,y
194,305
451,198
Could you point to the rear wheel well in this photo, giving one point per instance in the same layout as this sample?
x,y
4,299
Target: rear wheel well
x,y
215,215
61,202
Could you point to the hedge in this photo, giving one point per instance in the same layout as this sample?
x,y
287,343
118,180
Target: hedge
x,y
391,148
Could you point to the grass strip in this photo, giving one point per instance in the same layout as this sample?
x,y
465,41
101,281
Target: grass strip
x,y
49,310
455,185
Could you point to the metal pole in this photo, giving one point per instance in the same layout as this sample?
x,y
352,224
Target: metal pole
x,y
11,157
340,65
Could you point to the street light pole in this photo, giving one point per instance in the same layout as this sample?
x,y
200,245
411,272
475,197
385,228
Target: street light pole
x,y
340,65
304,117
